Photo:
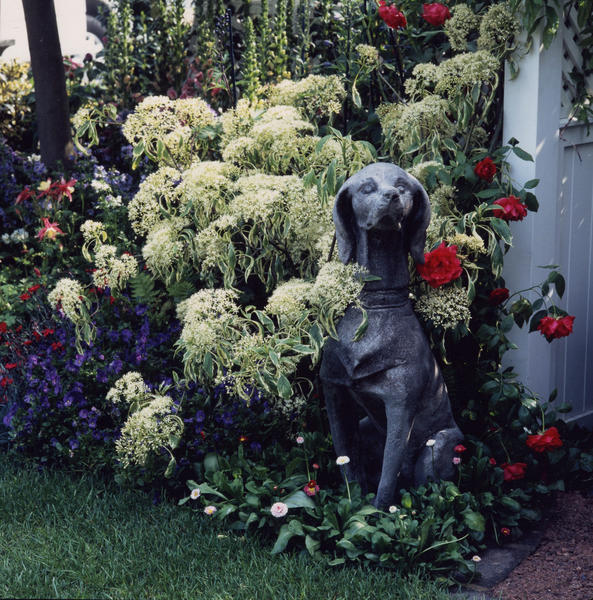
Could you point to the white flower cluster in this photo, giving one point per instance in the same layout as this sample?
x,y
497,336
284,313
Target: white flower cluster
x,y
279,141
147,430
369,56
206,190
336,286
462,24
289,299
446,307
470,244
164,247
127,389
113,272
461,73
158,118
93,231
498,28
68,295
205,316
18,236
415,123
160,187
315,95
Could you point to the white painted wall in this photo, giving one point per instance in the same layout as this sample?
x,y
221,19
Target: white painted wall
x,y
559,233
71,17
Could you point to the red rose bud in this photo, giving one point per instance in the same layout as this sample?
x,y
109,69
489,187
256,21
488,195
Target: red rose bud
x,y
24,296
391,15
315,466
33,288
498,295
37,271
459,448
512,209
492,461
435,14
548,440
485,169
514,472
505,531
10,366
441,266
555,327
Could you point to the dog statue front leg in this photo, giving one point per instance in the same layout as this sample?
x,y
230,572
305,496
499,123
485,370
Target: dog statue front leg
x,y
343,423
399,426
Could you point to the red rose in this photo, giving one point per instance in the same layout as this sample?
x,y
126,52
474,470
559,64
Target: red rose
x,y
556,327
505,531
514,471
3,327
435,14
498,295
485,169
24,296
548,440
459,448
393,17
33,288
512,209
492,461
441,266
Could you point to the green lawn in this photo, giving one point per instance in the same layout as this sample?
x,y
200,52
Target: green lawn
x,y
63,536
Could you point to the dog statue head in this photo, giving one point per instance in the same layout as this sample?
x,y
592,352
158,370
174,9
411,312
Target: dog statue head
x,y
381,197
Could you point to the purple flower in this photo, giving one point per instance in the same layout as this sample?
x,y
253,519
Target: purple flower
x,y
126,335
141,309
200,416
73,443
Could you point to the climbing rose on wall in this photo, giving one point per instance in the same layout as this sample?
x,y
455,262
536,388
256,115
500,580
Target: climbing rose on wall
x,y
393,17
555,327
441,266
485,169
548,440
514,471
512,209
435,14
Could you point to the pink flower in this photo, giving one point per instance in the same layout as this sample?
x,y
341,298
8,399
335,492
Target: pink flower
x,y
300,440
25,195
279,509
456,460
311,488
49,229
63,188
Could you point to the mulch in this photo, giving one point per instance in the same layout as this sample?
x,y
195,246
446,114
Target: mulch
x,y
561,567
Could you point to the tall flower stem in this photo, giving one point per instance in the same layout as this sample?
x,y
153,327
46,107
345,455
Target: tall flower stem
x,y
394,37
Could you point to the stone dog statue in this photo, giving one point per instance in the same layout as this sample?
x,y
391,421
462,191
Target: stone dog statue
x,y
381,214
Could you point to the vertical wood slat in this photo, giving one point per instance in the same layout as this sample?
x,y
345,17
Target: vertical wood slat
x,y
573,357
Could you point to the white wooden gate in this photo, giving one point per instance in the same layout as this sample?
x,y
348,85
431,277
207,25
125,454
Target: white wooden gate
x,y
536,108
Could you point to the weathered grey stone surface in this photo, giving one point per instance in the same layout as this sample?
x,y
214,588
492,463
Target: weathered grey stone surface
x,y
390,375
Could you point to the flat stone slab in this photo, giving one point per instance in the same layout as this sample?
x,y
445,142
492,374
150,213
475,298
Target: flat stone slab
x,y
498,562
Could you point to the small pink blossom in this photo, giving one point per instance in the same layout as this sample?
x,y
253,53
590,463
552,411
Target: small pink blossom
x,y
279,509
456,460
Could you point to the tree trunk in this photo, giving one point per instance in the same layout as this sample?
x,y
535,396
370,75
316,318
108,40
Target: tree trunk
x,y
51,99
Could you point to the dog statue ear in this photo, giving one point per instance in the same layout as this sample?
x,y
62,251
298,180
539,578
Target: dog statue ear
x,y
420,219
344,222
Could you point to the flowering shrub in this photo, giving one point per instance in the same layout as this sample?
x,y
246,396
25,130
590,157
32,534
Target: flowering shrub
x,y
172,328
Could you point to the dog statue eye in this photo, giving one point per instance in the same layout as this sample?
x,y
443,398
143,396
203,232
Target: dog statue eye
x,y
368,188
402,189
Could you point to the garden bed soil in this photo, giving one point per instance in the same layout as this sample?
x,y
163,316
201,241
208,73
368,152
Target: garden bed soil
x,y
552,562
